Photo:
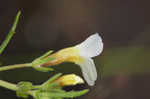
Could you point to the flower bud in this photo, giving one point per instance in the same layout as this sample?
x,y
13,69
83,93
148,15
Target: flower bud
x,y
70,79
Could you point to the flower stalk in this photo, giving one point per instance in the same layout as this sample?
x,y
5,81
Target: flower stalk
x,y
8,85
16,66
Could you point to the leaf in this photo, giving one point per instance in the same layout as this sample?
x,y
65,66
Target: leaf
x,y
43,69
48,84
58,90
40,61
10,34
46,54
52,79
70,94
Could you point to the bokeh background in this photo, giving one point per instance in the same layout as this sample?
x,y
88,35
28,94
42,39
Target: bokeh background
x,y
123,67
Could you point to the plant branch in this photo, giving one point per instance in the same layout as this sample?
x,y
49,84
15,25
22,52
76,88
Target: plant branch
x,y
10,34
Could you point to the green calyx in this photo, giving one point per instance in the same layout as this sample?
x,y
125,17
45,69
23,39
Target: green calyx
x,y
41,60
23,89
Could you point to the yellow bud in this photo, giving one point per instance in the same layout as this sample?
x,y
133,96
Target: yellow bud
x,y
70,79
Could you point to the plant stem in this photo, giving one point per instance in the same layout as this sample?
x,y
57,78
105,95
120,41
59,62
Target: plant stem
x,y
9,67
10,34
8,85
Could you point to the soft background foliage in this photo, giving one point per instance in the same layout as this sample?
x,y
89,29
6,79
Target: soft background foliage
x,y
55,24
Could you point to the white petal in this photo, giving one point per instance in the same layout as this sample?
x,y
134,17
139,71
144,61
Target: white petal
x,y
89,71
92,46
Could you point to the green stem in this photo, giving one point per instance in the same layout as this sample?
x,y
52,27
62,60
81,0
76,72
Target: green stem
x,y
11,86
10,34
3,68
8,85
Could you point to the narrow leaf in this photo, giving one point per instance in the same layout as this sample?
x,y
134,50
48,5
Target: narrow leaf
x,y
45,60
46,54
71,94
10,34
52,79
43,69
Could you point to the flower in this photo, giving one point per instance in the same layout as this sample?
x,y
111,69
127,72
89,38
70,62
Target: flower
x,y
69,79
81,55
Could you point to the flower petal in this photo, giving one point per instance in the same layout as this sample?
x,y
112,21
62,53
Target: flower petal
x,y
92,46
89,71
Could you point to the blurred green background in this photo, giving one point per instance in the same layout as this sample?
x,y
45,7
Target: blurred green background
x,y
123,67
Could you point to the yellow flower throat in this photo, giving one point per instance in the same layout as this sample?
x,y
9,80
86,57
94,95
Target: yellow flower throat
x,y
65,55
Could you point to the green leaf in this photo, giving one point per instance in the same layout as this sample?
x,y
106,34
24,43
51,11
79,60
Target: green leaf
x,y
49,84
46,54
37,95
70,94
42,61
52,79
43,69
57,90
23,88
10,34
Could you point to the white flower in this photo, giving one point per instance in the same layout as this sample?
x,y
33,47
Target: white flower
x,y
81,54
91,47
